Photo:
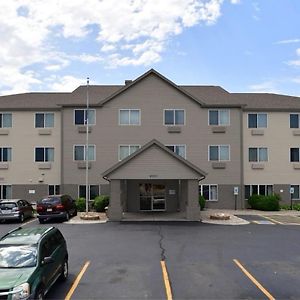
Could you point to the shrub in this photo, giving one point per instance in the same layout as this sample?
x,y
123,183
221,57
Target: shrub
x,y
296,207
201,202
285,206
100,203
80,204
261,202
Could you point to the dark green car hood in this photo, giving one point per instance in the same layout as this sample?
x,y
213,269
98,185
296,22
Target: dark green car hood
x,y
10,278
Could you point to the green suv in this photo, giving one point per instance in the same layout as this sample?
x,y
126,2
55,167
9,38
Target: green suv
x,y
31,260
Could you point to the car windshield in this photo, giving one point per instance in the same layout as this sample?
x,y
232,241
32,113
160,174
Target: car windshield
x,y
7,205
17,256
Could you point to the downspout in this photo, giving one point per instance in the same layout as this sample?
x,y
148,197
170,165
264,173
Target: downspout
x,y
242,193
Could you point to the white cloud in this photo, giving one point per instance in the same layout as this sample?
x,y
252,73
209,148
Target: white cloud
x,y
128,32
264,87
296,62
64,84
290,41
235,1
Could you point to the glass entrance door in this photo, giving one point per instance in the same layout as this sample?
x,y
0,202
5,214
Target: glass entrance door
x,y
152,197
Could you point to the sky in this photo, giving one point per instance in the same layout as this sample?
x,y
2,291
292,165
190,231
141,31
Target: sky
x,y
241,45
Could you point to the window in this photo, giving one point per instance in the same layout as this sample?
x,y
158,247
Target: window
x,y
5,192
5,154
174,117
219,117
53,189
209,192
44,154
81,116
257,120
295,195
126,150
5,120
258,154
294,154
258,189
80,152
178,149
129,117
94,191
294,120
219,153
44,120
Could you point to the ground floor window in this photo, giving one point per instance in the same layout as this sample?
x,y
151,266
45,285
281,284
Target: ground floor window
x,y
5,192
209,192
295,195
94,191
258,189
53,189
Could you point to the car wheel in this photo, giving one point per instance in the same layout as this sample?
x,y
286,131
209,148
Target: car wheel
x,y
65,271
39,294
75,213
67,216
21,218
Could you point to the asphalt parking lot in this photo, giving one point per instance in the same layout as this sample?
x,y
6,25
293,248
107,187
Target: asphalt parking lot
x,y
203,261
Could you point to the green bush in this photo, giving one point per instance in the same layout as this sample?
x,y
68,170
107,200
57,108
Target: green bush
x,y
268,203
296,206
201,202
80,204
100,203
285,206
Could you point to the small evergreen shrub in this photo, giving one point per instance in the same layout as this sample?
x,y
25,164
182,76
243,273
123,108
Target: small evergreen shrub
x,y
100,203
201,202
267,203
80,204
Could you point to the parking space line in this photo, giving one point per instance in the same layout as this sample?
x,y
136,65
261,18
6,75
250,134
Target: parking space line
x,y
277,222
31,221
259,286
166,280
77,280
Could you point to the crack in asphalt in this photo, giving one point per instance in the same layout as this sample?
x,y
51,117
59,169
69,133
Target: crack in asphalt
x,y
163,250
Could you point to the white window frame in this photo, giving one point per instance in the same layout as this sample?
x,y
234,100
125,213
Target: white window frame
x,y
258,158
129,110
1,150
290,120
219,109
258,185
229,150
3,113
84,151
74,120
44,113
296,199
174,109
1,191
256,113
79,185
54,185
45,147
290,160
178,145
126,145
209,185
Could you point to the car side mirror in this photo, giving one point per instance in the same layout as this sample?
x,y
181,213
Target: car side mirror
x,y
47,260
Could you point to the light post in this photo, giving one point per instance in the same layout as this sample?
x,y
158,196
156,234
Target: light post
x,y
87,190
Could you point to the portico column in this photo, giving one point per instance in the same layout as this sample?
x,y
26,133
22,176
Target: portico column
x,y
115,208
192,205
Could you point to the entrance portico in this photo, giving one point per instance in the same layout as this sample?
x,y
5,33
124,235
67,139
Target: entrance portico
x,y
154,179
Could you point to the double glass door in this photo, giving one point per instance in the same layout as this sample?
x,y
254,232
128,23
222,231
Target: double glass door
x,y
152,197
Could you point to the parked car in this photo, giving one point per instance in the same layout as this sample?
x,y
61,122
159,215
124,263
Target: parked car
x,y
56,207
31,261
16,209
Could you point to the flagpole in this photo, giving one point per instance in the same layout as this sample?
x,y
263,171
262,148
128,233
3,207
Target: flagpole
x,y
87,190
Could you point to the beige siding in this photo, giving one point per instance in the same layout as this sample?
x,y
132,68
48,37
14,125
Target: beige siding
x,y
278,138
23,138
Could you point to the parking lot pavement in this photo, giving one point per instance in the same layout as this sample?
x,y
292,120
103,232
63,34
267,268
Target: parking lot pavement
x,y
125,260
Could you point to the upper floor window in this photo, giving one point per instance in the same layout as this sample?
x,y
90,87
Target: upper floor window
x,y
294,121
174,117
44,120
82,116
219,153
219,117
258,154
5,154
5,120
178,149
44,154
259,120
129,117
294,154
126,150
80,152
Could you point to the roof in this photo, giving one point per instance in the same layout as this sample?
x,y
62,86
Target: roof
x,y
143,149
23,236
